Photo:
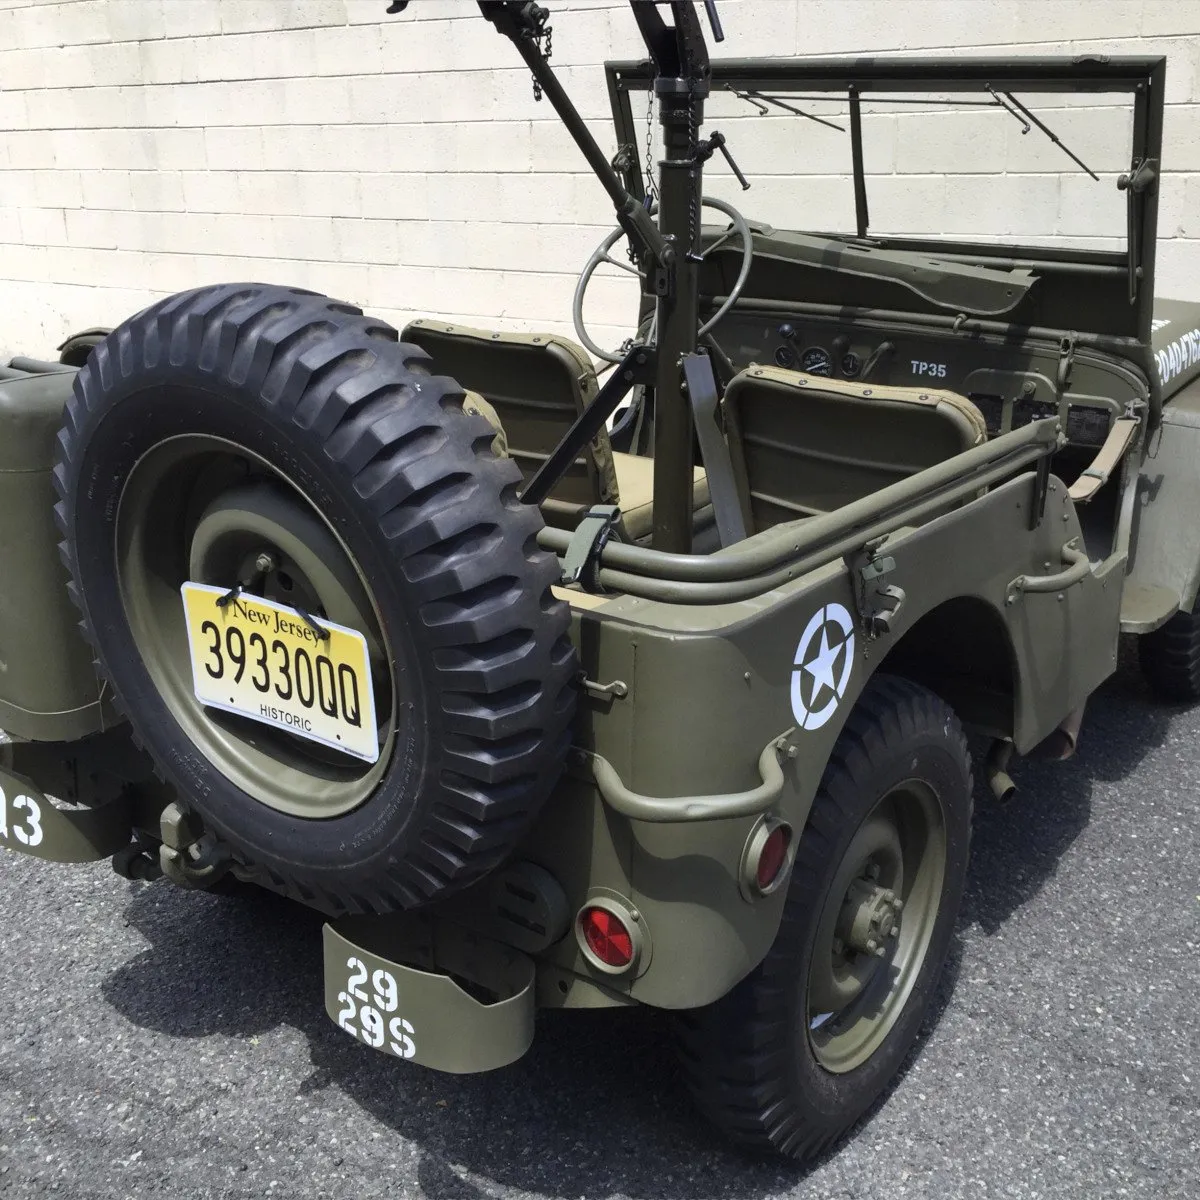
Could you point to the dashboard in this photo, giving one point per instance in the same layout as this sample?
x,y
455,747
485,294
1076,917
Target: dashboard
x,y
1011,383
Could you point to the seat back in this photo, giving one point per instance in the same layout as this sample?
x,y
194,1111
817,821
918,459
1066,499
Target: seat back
x,y
538,385
803,444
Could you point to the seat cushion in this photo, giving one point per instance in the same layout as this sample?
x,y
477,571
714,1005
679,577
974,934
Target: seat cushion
x,y
803,444
635,483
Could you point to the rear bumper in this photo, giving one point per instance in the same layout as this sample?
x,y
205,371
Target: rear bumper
x,y
429,992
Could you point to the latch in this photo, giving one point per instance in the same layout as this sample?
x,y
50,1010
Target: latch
x,y
1066,360
878,602
581,563
618,689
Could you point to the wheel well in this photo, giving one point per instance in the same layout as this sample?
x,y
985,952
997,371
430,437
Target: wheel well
x,y
961,650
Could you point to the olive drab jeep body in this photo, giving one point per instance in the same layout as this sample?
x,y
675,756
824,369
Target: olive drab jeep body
x,y
662,673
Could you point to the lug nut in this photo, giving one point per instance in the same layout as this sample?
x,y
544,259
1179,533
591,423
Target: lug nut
x,y
878,951
873,946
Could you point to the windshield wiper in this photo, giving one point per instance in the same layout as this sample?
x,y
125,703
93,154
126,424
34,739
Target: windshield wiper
x,y
760,101
1020,112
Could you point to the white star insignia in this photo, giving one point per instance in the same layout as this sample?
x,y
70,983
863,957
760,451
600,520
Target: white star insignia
x,y
821,666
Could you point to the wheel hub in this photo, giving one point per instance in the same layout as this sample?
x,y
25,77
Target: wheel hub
x,y
869,917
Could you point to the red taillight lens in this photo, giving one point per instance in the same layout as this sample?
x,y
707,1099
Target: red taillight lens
x,y
772,857
607,938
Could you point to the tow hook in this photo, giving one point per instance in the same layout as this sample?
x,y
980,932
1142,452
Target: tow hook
x,y
190,856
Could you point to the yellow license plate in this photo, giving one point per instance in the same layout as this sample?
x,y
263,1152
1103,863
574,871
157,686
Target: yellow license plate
x,y
264,661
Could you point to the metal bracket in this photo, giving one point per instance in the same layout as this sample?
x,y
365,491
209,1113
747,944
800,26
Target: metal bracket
x,y
878,603
581,563
625,159
1066,360
31,823
702,394
1141,179
1062,381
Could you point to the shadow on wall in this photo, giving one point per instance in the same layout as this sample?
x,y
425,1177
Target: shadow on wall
x,y
596,1107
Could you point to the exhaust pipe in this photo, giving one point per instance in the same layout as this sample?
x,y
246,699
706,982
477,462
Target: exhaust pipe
x,y
1062,742
996,770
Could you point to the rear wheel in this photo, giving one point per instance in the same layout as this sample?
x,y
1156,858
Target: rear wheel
x,y
1170,658
802,1047
259,436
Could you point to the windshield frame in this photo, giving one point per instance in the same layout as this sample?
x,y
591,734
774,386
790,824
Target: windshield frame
x,y
1141,77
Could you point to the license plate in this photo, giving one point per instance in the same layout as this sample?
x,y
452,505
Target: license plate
x,y
265,661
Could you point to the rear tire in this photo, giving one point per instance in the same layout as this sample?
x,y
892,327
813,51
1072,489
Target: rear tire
x,y
893,811
1170,659
227,410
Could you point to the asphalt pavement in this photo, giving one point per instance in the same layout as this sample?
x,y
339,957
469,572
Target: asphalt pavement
x,y
156,1042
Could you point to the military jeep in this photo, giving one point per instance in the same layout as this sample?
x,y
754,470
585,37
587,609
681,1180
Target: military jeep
x,y
562,687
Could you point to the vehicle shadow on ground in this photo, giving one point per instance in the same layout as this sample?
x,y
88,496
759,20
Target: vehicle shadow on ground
x,y
597,1106
1016,847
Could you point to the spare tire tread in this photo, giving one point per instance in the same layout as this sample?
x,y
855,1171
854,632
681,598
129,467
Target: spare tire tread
x,y
423,474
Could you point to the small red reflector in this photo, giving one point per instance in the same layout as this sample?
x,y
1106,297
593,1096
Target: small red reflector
x,y
772,857
606,937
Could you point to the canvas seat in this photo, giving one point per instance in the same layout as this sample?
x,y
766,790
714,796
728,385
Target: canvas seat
x,y
803,444
538,383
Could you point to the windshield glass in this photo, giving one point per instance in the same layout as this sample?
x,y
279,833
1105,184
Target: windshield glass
x,y
954,166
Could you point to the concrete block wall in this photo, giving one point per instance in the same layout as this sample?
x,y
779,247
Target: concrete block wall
x,y
148,146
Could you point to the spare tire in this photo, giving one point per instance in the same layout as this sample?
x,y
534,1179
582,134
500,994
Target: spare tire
x,y
253,424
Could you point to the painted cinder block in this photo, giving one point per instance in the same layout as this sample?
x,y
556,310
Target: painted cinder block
x,y
401,163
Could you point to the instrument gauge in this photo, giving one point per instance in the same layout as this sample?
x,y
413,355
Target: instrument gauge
x,y
851,365
816,361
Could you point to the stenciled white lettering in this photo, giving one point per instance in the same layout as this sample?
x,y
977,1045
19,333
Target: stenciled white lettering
x,y
1178,356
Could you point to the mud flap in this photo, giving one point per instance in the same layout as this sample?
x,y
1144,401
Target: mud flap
x,y
429,992
32,824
